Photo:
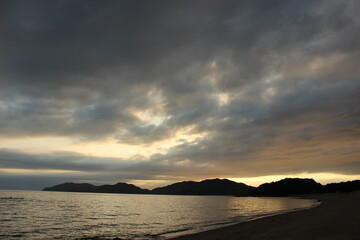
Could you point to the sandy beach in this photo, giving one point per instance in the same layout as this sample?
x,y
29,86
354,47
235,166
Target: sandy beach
x,y
338,217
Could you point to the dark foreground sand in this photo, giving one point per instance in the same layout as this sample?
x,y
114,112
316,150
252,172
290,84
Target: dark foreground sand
x,y
338,217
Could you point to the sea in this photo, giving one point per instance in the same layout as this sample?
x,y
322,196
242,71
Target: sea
x,y
80,216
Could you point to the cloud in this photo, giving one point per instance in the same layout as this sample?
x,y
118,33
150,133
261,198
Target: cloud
x,y
248,77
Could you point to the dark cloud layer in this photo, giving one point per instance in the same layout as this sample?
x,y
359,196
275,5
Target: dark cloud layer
x,y
269,86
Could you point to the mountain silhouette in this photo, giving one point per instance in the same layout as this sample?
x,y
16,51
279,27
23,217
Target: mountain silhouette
x,y
121,188
287,186
86,187
348,186
284,187
72,187
205,187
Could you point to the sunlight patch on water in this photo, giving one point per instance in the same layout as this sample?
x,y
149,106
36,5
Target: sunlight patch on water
x,y
49,215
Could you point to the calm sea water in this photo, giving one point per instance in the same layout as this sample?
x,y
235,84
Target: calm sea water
x,y
62,215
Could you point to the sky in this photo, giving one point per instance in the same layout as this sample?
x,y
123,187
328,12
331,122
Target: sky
x,y
156,92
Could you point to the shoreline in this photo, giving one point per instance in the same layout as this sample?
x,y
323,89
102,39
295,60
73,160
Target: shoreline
x,y
336,217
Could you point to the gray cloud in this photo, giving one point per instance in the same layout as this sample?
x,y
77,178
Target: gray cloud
x,y
70,166
253,76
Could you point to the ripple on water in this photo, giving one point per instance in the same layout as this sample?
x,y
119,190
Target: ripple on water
x,y
59,215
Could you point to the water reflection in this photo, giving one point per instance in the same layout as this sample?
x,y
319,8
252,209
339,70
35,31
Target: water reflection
x,y
44,215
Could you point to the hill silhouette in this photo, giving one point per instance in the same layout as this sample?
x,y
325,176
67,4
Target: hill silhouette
x,y
72,187
205,187
287,186
348,186
86,187
284,187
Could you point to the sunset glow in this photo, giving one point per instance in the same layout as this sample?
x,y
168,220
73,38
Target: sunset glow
x,y
165,91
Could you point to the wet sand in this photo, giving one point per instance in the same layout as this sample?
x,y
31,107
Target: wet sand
x,y
338,217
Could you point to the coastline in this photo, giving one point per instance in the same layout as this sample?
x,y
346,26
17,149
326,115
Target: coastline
x,y
337,217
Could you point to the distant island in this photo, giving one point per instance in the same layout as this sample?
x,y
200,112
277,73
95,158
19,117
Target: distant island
x,y
297,186
284,187
206,187
288,186
87,187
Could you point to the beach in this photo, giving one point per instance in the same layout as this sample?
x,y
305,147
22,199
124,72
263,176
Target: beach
x,y
337,217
